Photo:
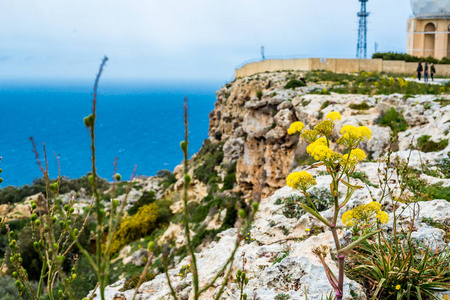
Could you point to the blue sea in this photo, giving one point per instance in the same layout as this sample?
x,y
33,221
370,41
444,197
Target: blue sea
x,y
140,123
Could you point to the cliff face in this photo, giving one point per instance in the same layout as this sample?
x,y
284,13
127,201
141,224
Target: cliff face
x,y
254,131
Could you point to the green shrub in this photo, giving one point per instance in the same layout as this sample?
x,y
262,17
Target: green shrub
x,y
259,94
168,178
145,199
394,120
230,177
294,83
426,145
360,106
409,58
436,191
209,156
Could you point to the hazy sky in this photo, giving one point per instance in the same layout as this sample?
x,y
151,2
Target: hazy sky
x,y
189,39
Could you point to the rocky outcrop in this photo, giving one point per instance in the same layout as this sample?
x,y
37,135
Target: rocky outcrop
x,y
254,129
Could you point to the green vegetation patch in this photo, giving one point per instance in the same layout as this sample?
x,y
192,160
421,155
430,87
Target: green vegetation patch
x,y
393,119
294,83
442,102
426,145
11,194
360,106
209,156
409,58
321,198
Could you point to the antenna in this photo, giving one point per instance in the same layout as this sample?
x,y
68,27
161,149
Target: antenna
x,y
262,53
376,47
361,50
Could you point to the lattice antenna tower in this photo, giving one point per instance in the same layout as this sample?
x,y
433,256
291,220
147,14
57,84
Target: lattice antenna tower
x,y
361,51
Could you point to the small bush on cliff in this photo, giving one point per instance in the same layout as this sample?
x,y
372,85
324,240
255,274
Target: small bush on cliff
x,y
294,83
259,94
209,156
230,178
145,199
168,178
394,120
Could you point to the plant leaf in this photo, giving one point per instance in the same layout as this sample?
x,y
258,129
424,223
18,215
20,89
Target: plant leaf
x,y
314,213
347,249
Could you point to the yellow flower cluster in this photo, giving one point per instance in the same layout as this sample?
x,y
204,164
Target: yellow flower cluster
x,y
296,127
363,213
325,127
352,135
300,180
320,151
333,116
310,135
356,155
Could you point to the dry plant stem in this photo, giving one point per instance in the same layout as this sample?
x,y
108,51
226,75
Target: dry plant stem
x,y
141,278
100,266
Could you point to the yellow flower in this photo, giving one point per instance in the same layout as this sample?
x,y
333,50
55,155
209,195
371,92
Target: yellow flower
x,y
364,132
356,155
325,127
300,180
352,135
296,127
363,213
310,135
333,116
383,217
319,142
377,84
322,153
347,218
307,229
397,287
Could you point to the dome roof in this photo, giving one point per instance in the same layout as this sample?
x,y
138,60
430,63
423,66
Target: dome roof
x,y
430,8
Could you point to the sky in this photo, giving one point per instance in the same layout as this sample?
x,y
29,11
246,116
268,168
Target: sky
x,y
148,40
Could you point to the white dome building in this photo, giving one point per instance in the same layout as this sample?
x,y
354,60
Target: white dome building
x,y
431,9
428,31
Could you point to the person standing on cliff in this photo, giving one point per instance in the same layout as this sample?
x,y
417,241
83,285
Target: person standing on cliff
x,y
425,73
419,70
432,71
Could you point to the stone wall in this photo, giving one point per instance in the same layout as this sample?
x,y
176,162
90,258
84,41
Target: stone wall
x,y
335,65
